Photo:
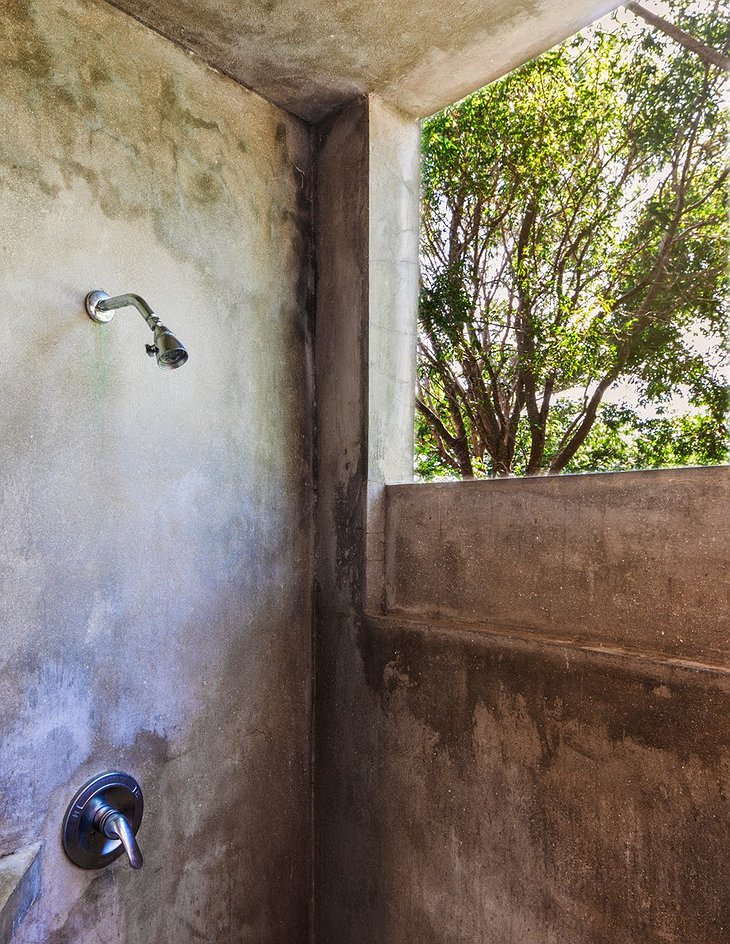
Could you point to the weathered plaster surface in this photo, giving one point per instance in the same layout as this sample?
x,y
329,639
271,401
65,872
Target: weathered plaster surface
x,y
311,56
156,546
157,553
528,794
394,178
483,787
632,559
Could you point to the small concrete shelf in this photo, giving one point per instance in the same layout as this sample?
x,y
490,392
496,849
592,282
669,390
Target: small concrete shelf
x,y
20,882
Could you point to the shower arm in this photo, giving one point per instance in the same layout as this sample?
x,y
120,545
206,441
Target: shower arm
x,y
128,300
169,350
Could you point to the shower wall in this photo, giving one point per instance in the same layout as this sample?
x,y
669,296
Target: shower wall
x,y
525,740
156,552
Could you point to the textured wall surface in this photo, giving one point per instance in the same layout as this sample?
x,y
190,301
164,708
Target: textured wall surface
x,y
526,793
344,739
394,179
634,559
156,567
156,558
503,787
311,56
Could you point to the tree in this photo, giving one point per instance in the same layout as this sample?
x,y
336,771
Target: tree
x,y
574,236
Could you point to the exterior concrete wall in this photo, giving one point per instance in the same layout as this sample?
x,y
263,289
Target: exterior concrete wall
x,y
532,793
502,787
637,559
156,527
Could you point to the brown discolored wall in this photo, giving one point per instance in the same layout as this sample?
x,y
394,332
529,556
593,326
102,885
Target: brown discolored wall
x,y
636,559
561,779
156,553
527,793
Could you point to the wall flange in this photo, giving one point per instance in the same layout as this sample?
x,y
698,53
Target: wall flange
x,y
102,820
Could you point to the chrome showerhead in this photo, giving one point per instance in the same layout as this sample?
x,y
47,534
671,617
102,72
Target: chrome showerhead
x,y
168,349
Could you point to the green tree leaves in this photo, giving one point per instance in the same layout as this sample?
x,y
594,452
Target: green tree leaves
x,y
574,234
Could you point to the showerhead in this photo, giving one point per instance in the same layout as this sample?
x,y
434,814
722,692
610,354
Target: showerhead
x,y
168,350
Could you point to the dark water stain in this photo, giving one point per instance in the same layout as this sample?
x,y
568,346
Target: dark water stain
x,y
207,188
449,677
63,96
178,114
114,201
282,143
300,220
99,73
83,916
50,190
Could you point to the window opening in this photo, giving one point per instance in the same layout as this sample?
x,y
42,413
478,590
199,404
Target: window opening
x,y
574,259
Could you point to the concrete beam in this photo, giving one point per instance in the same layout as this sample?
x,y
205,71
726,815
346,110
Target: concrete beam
x,y
312,57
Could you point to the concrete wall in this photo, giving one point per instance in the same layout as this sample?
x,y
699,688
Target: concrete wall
x,y
636,559
394,180
561,774
501,786
157,563
366,224
343,841
156,546
533,793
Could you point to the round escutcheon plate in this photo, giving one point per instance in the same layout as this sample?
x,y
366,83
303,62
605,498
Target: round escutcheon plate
x,y
86,846
92,300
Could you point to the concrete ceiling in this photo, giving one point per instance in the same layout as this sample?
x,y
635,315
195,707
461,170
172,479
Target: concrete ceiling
x,y
311,56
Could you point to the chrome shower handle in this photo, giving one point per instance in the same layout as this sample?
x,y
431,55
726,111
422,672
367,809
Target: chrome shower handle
x,y
102,820
115,825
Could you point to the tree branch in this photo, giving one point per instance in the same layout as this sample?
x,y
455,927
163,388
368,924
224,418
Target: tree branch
x,y
708,53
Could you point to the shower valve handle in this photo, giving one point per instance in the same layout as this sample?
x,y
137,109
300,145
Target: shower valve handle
x,y
102,820
115,825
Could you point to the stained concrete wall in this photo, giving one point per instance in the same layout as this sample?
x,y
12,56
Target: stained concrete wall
x,y
513,786
344,741
635,559
156,527
157,558
534,793
313,56
366,222
394,179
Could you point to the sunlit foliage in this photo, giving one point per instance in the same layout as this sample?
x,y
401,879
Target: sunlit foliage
x,y
574,236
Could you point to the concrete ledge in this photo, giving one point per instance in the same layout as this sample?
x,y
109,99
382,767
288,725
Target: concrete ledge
x,y
634,560
20,883
478,636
